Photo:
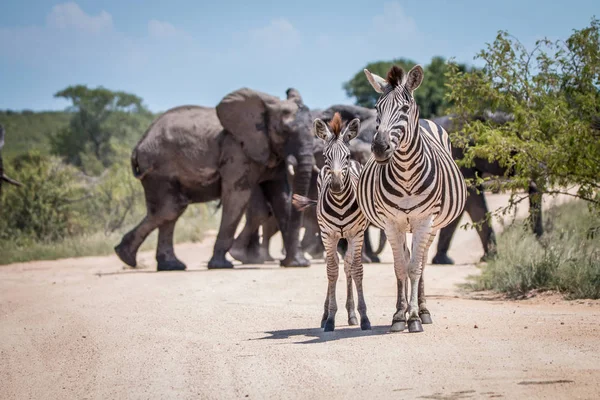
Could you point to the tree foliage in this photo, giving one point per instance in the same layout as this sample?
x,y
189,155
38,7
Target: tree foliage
x,y
552,92
101,119
430,96
27,130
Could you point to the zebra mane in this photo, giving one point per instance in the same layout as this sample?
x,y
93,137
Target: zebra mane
x,y
335,125
395,76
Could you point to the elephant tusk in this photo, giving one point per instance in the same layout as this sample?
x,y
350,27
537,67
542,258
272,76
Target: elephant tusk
x,y
316,169
290,169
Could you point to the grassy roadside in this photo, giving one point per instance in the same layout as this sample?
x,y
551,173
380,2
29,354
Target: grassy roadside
x,y
190,228
566,258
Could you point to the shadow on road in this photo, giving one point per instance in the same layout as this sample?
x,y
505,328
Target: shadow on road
x,y
133,271
318,336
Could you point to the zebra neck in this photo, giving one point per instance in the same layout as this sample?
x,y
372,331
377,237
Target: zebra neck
x,y
410,160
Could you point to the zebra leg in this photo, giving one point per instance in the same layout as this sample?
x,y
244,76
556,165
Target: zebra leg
x,y
326,309
397,238
357,275
348,261
424,313
332,262
420,244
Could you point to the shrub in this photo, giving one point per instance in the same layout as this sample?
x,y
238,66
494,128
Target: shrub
x,y
47,207
567,258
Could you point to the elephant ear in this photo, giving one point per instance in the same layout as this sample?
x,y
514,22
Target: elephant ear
x,y
245,114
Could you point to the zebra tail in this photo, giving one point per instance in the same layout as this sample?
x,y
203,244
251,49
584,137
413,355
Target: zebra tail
x,y
301,203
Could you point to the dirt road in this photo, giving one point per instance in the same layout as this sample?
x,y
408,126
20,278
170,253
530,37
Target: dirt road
x,y
86,328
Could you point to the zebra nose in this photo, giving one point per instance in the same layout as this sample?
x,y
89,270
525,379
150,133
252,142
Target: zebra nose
x,y
336,180
380,146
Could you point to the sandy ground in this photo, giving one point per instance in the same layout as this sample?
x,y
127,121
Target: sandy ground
x,y
88,328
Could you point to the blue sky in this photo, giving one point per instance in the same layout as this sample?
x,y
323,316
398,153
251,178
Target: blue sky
x,y
194,52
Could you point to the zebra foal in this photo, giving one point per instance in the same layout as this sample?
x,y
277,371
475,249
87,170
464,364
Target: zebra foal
x,y
339,216
410,184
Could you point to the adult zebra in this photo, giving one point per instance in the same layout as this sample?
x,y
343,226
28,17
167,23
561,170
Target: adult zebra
x,y
339,216
410,184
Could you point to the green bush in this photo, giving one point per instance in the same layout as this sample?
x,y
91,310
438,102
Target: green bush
x,y
566,258
60,212
47,207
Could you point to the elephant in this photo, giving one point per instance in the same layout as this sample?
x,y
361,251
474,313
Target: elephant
x,y
193,154
247,247
476,205
3,177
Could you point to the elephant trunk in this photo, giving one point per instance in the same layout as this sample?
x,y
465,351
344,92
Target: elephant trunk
x,y
301,185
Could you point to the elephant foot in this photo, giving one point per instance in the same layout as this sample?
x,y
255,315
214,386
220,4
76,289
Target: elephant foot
x,y
488,257
293,262
125,255
442,258
239,253
219,263
170,265
265,256
374,257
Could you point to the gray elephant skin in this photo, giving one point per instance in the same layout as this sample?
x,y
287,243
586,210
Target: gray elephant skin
x,y
195,154
3,177
248,248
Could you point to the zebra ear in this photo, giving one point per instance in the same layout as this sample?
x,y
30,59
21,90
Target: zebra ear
x,y
351,130
376,81
414,78
320,129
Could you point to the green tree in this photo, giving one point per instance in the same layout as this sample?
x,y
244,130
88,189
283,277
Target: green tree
x,y
430,96
101,119
552,92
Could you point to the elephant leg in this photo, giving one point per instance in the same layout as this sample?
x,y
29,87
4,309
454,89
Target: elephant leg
x,y
477,209
535,210
234,205
164,203
446,233
245,248
165,255
278,194
368,255
311,241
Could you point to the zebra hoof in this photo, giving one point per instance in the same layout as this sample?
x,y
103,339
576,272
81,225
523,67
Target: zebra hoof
x,y
329,326
415,326
323,322
426,318
398,326
352,321
365,324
